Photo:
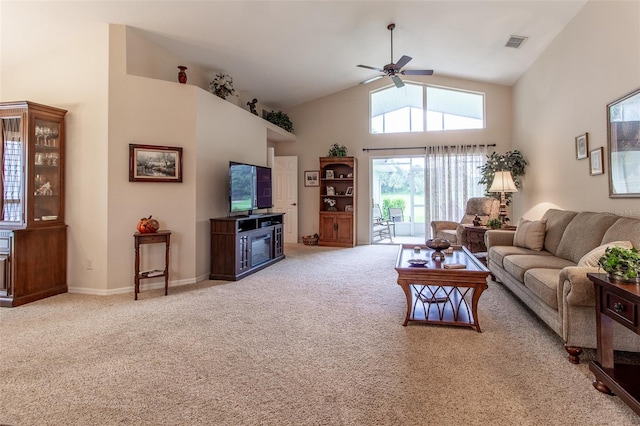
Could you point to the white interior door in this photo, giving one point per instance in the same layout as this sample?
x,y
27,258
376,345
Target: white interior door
x,y
285,186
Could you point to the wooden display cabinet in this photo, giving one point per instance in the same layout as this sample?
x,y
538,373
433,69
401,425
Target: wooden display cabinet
x,y
337,223
33,235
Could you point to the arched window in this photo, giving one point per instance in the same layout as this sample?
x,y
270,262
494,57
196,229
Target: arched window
x,y
403,109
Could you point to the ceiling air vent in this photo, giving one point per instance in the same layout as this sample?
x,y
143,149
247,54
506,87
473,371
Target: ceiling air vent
x,y
516,41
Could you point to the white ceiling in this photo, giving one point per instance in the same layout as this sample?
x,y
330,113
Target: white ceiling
x,y
288,52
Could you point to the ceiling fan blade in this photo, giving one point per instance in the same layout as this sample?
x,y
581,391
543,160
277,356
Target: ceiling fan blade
x,y
370,68
397,81
403,61
372,79
416,72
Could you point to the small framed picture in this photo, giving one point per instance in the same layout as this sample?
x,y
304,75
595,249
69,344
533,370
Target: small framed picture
x,y
312,178
582,146
597,161
329,174
331,190
349,191
151,163
348,208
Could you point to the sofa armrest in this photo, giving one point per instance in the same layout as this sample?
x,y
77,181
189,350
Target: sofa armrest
x,y
440,225
498,237
575,287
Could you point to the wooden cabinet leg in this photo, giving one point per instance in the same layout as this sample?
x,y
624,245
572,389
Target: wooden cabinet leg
x,y
574,354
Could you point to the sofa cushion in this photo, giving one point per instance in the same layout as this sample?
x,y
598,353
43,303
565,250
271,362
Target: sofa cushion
x,y
591,258
583,234
498,253
557,221
518,264
625,228
543,282
530,234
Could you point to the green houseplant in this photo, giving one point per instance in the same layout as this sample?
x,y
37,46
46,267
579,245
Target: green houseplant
x,y
512,161
280,119
494,223
337,151
621,263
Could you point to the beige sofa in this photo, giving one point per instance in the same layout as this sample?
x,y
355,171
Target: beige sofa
x,y
553,282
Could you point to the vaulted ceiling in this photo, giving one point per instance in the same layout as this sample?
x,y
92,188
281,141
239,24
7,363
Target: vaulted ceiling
x,y
289,52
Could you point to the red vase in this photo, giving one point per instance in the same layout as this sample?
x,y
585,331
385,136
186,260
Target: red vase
x,y
182,76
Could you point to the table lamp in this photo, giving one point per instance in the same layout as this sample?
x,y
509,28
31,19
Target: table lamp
x,y
502,183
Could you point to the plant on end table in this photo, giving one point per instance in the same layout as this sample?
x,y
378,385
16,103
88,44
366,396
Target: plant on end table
x,y
621,263
494,223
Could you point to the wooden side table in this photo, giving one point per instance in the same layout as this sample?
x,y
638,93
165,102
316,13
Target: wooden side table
x,y
619,302
474,236
151,238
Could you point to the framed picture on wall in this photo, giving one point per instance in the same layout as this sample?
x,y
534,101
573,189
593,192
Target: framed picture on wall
x,y
151,163
312,178
597,161
582,146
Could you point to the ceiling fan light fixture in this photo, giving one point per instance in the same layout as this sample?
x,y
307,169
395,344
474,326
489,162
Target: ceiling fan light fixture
x,y
516,41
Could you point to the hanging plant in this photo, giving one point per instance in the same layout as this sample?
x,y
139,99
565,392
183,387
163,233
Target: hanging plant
x,y
280,119
512,161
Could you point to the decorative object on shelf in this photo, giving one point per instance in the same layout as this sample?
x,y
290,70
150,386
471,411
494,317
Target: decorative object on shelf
x,y
252,106
331,190
623,144
151,163
331,204
503,183
597,161
148,225
280,119
182,75
337,151
582,146
329,174
438,245
512,161
348,208
621,264
222,85
494,223
349,190
310,240
476,220
312,178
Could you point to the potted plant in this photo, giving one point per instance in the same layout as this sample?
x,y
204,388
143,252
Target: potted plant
x,y
494,223
621,264
280,119
337,151
512,161
222,85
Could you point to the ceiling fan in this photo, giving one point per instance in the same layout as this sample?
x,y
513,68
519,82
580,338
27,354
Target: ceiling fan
x,y
393,70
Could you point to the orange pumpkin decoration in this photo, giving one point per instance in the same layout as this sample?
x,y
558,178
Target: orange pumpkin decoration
x,y
147,225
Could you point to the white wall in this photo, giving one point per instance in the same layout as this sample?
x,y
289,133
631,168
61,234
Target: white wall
x,y
343,118
593,61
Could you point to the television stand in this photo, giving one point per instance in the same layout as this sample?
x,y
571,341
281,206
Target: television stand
x,y
242,245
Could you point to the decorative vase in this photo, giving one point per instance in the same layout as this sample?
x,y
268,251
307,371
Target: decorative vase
x,y
182,76
438,245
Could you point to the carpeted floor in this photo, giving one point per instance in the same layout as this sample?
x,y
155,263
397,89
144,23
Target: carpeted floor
x,y
316,339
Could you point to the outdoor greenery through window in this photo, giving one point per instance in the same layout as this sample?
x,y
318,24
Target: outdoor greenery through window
x,y
419,108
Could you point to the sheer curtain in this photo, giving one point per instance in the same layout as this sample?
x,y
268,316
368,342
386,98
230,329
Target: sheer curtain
x,y
452,175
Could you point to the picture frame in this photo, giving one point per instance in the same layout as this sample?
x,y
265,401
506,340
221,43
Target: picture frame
x,y
312,178
349,190
596,161
329,174
623,146
582,146
153,163
331,190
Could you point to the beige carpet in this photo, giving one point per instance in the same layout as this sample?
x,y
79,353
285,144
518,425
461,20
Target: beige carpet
x,y
313,340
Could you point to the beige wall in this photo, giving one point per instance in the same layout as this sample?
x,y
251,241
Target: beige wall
x,y
343,118
593,61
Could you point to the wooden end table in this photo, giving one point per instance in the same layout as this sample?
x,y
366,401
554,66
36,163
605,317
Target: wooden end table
x,y
151,238
619,302
474,236
437,295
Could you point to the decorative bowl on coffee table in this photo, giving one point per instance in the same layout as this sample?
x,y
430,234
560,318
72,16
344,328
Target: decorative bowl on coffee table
x,y
438,244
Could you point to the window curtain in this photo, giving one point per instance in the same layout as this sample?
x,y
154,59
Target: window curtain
x,y
452,175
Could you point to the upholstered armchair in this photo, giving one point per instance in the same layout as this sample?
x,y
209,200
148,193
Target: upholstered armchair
x,y
485,207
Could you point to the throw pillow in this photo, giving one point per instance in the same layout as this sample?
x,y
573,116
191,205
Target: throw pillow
x,y
591,258
530,234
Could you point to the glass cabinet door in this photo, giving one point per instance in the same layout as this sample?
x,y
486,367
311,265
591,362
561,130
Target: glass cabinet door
x,y
12,171
46,175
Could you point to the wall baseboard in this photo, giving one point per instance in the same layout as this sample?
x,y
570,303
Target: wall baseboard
x,y
143,286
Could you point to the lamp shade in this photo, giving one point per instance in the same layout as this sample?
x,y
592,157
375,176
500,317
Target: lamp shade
x,y
503,182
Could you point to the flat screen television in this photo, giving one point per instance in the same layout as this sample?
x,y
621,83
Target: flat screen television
x,y
249,187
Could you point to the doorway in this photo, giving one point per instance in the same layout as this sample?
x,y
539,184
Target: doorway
x,y
398,189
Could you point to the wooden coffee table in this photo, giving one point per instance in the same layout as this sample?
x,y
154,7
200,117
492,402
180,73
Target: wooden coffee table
x,y
437,295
